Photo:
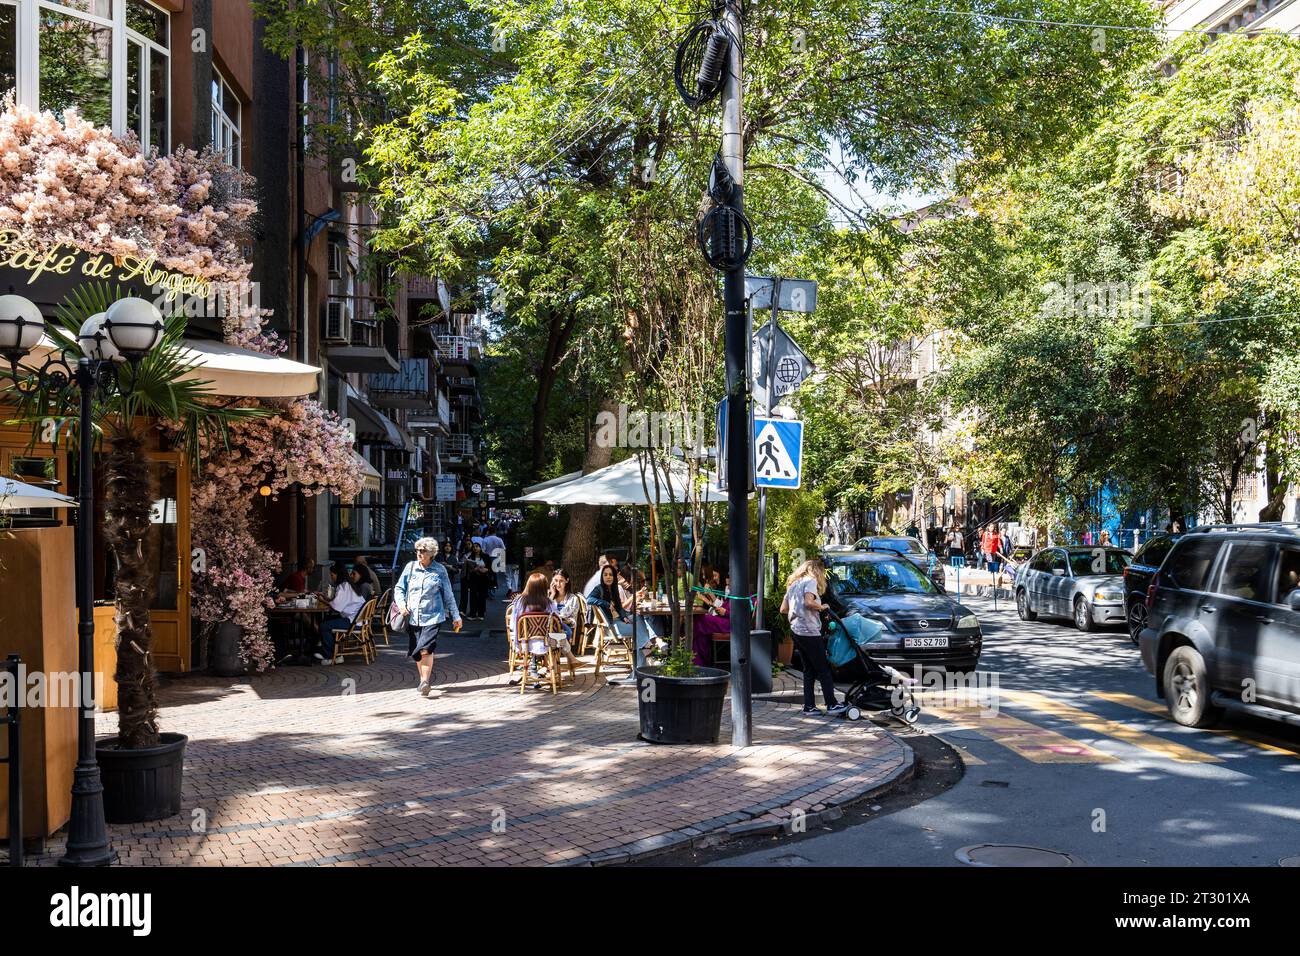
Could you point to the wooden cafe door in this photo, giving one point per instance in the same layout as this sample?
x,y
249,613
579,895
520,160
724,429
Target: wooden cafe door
x,y
170,530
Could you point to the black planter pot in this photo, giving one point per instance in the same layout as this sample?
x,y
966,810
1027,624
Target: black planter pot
x,y
681,710
141,785
224,660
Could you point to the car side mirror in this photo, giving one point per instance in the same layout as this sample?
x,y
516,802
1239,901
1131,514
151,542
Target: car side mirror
x,y
1293,599
1059,572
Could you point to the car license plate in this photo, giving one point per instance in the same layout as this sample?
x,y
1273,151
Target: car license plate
x,y
925,642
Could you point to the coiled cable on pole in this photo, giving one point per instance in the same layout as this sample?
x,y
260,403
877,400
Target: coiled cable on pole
x,y
702,62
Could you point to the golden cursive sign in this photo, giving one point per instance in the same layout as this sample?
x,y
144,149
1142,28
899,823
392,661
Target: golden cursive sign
x,y
61,259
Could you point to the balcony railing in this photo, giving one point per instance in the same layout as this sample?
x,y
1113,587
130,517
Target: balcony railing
x,y
410,382
453,348
461,446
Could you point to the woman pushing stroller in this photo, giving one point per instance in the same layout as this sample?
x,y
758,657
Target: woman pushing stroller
x,y
803,606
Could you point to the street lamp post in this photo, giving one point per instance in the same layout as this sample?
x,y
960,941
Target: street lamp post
x,y
129,330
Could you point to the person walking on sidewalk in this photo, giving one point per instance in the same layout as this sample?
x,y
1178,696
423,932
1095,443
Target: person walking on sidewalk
x,y
423,592
803,606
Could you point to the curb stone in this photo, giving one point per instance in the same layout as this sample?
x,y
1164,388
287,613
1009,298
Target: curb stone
x,y
745,823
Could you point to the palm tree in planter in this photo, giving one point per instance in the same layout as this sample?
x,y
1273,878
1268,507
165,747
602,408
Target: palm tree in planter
x,y
156,388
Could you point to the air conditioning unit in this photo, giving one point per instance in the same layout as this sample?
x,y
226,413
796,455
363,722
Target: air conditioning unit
x,y
338,323
338,264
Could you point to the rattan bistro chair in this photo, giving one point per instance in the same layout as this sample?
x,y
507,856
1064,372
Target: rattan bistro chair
x,y
357,639
582,628
612,648
379,620
533,640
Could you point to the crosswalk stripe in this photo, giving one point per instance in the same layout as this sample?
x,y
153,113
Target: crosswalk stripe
x,y
1109,728
967,757
1021,737
1271,744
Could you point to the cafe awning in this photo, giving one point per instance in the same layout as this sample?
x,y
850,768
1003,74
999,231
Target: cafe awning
x,y
235,371
229,370
373,426
372,480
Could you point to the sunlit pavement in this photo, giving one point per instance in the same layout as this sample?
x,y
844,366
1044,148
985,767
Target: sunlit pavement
x,y
350,766
1074,753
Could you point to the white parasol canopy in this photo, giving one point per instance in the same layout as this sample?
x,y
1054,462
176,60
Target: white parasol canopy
x,y
16,495
620,484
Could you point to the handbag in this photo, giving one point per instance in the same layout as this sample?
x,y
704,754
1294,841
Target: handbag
x,y
396,619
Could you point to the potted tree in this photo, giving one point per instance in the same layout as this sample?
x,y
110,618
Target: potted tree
x,y
141,766
672,334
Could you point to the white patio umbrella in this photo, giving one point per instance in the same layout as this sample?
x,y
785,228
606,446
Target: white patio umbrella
x,y
17,495
620,484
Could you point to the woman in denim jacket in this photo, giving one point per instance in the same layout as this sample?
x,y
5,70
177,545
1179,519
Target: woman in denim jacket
x,y
424,595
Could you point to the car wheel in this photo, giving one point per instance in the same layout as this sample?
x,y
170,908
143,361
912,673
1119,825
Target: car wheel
x,y
1083,615
1137,619
1022,607
1187,688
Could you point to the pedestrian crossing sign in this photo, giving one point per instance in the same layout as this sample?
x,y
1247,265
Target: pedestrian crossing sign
x,y
778,452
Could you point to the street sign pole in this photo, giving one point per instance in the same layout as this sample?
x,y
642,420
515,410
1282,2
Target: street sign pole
x,y
768,385
740,460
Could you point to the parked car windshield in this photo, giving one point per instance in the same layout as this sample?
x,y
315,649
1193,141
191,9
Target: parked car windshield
x,y
887,575
906,545
1098,561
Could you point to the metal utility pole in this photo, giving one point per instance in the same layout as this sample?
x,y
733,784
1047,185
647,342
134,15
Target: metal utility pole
x,y
740,461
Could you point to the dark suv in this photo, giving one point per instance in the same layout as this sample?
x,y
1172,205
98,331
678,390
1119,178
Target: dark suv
x,y
1138,577
1223,623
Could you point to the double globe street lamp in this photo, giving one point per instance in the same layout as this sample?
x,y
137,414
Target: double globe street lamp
x,y
109,342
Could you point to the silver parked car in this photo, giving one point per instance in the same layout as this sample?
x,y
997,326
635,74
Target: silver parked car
x,y
1085,584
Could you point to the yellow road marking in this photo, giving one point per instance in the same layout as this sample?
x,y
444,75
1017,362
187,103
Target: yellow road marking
x,y
1021,737
1151,707
1109,728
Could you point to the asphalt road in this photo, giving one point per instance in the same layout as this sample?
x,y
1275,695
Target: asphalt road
x,y
1073,753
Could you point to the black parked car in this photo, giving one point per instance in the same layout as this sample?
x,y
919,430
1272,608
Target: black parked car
x,y
1137,578
1223,623
923,624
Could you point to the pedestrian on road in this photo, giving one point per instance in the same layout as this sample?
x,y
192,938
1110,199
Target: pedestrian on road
x,y
423,592
480,582
803,606
493,547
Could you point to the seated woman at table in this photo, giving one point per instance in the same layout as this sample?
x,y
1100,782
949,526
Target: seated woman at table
x,y
711,581
716,620
564,599
534,599
346,603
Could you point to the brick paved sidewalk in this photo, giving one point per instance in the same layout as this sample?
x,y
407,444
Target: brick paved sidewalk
x,y
350,766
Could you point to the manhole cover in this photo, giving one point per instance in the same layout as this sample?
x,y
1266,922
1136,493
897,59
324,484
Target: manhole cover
x,y
1289,861
1008,854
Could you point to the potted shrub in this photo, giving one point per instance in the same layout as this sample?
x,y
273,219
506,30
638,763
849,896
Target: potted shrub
x,y
680,702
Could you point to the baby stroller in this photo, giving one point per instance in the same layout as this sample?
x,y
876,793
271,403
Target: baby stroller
x,y
881,688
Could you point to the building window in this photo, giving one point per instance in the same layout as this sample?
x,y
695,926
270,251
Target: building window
x,y
148,74
226,116
108,59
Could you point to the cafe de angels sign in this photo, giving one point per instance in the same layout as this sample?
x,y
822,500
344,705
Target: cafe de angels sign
x,y
46,274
